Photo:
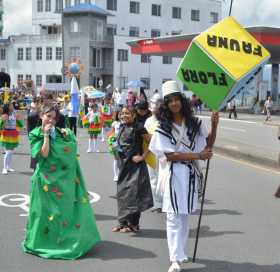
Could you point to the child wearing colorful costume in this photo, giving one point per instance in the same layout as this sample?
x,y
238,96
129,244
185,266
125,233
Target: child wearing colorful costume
x,y
107,117
93,122
10,125
113,145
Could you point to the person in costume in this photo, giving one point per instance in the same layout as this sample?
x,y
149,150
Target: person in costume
x,y
10,125
61,223
151,124
180,140
112,142
92,121
106,116
134,193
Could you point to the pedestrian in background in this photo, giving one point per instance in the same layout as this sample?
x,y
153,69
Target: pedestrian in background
x,y
267,108
232,109
180,140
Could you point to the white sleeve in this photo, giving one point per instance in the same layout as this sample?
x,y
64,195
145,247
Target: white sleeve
x,y
161,144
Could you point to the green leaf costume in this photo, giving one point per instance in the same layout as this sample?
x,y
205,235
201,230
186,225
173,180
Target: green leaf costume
x,y
61,223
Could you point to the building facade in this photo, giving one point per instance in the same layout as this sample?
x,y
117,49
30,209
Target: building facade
x,y
131,20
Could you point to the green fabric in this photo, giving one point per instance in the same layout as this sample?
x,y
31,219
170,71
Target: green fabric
x,y
2,123
20,123
9,146
61,224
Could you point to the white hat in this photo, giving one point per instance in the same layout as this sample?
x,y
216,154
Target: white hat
x,y
156,97
170,87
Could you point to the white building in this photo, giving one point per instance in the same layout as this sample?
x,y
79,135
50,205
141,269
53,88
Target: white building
x,y
23,58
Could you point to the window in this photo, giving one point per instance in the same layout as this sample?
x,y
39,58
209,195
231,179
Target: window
x,y
145,59
40,6
28,77
74,27
77,2
58,53
75,52
111,30
134,31
67,3
39,53
39,79
48,6
176,13
52,29
166,60
20,77
58,6
134,7
155,33
88,1
214,17
97,57
3,53
20,54
146,81
122,55
49,53
195,15
123,82
28,53
156,10
112,4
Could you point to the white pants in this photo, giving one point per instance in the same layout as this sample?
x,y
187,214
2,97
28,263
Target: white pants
x,y
177,236
153,173
7,159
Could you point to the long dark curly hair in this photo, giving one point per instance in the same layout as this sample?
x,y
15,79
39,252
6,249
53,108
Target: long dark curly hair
x,y
165,116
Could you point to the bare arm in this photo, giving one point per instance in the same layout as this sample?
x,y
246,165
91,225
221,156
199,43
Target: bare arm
x,y
46,144
176,156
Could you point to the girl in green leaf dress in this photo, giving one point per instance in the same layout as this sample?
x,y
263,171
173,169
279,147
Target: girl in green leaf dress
x,y
61,223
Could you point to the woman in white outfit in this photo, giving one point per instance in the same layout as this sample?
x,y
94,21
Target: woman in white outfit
x,y
180,140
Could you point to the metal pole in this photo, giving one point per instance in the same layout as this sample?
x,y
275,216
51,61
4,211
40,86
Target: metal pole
x,y
231,2
201,211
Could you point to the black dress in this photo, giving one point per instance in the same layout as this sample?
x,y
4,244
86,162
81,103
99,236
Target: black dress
x,y
133,187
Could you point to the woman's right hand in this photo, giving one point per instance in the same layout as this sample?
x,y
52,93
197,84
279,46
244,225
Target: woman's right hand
x,y
206,154
5,117
46,128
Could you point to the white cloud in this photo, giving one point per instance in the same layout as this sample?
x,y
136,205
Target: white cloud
x,y
17,17
255,12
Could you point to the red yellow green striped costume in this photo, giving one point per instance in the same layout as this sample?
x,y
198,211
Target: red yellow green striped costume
x,y
92,123
107,115
9,136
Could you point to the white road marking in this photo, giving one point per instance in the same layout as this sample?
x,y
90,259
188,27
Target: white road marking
x,y
229,120
233,129
23,201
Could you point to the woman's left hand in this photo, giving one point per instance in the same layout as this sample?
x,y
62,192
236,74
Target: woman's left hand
x,y
137,158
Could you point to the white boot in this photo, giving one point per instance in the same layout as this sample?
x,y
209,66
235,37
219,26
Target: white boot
x,y
175,267
5,162
89,146
94,146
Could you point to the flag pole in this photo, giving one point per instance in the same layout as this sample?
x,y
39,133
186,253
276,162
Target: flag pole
x,y
230,9
201,210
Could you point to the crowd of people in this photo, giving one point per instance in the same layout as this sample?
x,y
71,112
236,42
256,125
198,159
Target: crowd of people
x,y
156,145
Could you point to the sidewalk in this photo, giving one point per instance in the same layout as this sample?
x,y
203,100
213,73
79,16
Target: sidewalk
x,y
263,155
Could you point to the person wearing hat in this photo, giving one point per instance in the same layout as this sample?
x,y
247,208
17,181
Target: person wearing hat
x,y
180,140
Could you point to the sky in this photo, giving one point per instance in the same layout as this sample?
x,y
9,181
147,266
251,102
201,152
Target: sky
x,y
18,14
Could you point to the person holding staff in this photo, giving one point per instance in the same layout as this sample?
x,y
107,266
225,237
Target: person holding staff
x,y
180,140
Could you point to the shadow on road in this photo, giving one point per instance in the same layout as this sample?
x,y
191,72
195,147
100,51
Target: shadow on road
x,y
104,217
205,232
218,212
108,250
25,173
216,265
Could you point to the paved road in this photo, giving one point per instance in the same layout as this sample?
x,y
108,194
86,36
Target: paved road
x,y
240,229
249,136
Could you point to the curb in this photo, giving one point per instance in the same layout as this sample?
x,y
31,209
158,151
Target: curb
x,y
247,157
